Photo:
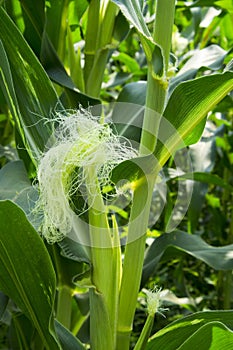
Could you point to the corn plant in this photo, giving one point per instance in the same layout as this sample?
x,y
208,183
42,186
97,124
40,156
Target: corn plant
x,y
72,253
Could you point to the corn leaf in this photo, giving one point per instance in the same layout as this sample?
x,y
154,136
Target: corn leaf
x,y
210,337
26,272
132,10
26,87
186,109
202,330
183,120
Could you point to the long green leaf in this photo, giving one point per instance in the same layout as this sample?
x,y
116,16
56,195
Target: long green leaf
x,y
211,336
35,13
44,40
207,178
27,89
176,333
34,20
186,109
26,271
220,258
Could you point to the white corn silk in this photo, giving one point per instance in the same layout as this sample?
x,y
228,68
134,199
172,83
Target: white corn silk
x,y
79,142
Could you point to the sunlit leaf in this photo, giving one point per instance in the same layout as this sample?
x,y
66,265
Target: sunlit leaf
x,y
27,89
210,337
134,169
186,109
202,330
225,4
56,24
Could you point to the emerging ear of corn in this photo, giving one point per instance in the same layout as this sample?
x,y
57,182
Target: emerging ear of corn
x,y
80,143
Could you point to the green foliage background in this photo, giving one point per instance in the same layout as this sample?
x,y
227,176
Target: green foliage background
x,y
54,55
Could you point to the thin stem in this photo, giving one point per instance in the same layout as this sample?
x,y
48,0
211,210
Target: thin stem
x,y
134,252
146,331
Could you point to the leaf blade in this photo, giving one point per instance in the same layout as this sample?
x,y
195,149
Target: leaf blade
x,y
176,333
26,86
220,258
186,109
26,272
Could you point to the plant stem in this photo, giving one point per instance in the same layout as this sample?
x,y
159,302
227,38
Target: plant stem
x,y
163,25
134,252
156,85
146,331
